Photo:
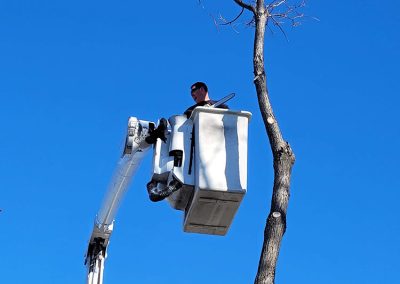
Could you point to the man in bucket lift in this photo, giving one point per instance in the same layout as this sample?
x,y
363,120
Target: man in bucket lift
x,y
199,92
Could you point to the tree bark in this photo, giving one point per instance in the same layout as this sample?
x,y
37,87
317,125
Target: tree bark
x,y
283,156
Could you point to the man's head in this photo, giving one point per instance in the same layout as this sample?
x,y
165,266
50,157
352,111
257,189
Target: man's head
x,y
199,92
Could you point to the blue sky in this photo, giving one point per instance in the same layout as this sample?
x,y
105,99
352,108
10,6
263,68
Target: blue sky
x,y
72,72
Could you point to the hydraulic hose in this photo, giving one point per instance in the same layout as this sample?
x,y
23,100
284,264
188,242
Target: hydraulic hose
x,y
156,195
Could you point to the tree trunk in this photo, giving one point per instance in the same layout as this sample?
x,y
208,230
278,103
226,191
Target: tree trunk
x,y
282,154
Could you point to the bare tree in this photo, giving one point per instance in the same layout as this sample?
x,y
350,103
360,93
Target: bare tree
x,y
276,13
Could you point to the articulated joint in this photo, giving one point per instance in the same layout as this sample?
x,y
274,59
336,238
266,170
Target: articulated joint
x,y
137,133
96,248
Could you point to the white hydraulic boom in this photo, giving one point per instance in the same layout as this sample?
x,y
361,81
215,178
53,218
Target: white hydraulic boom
x,y
134,150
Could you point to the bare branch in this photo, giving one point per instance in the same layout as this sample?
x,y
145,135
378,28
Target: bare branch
x,y
276,4
280,12
269,28
215,21
245,6
252,22
225,22
231,21
278,24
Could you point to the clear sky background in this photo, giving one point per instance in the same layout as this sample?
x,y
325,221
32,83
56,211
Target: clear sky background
x,y
72,72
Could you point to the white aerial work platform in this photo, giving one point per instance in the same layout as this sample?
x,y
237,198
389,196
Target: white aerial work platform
x,y
207,155
201,169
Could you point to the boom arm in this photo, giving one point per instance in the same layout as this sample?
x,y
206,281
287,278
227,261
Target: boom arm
x,y
134,151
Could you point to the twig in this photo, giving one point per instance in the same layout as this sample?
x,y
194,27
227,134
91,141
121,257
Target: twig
x,y
245,5
230,22
279,26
